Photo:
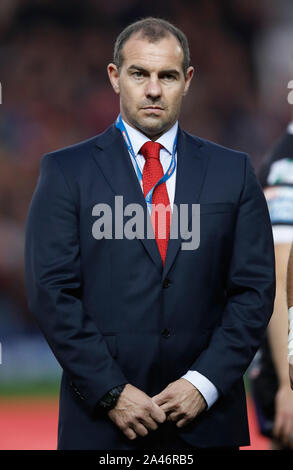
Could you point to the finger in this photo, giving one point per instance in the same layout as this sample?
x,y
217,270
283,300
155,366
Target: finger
x,y
149,423
175,416
277,426
158,414
168,407
282,437
287,432
140,429
290,443
159,399
130,433
182,422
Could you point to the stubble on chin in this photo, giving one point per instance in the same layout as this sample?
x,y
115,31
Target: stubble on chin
x,y
150,127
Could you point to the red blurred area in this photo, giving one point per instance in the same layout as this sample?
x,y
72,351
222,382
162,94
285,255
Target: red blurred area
x,y
31,424
28,424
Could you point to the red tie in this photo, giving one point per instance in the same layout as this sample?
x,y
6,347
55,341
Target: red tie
x,y
152,173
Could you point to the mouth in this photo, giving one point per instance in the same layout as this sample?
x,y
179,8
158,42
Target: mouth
x,y
153,109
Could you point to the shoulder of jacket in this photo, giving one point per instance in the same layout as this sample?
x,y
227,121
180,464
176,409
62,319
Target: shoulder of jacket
x,y
215,148
70,152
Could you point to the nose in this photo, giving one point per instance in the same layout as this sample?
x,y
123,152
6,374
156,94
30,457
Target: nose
x,y
153,88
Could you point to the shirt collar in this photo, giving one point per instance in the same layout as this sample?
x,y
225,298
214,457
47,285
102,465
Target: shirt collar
x,y
137,138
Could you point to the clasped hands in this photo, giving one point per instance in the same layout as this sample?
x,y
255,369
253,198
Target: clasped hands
x,y
136,413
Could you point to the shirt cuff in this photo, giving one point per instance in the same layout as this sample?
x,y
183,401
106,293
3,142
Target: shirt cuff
x,y
282,233
204,386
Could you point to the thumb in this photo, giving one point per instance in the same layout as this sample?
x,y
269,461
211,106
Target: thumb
x,y
159,399
156,399
158,414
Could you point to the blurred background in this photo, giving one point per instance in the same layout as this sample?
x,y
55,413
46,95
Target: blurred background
x,y
55,92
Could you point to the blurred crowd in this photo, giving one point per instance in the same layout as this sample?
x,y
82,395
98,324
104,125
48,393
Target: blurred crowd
x,y
55,92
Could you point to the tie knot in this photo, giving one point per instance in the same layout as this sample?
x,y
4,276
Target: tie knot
x,y
151,150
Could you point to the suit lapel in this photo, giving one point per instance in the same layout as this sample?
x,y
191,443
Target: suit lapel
x,y
191,170
114,161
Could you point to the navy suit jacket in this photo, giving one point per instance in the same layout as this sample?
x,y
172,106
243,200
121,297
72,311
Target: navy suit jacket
x,y
110,311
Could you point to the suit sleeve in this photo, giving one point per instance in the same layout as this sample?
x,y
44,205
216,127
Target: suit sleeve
x,y
250,291
54,288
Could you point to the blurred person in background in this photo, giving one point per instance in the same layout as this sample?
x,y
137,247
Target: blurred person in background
x,y
269,373
290,308
144,365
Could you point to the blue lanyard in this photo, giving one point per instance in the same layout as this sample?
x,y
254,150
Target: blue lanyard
x,y
119,124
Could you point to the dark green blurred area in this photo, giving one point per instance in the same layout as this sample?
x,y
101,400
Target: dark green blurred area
x,y
43,389
29,389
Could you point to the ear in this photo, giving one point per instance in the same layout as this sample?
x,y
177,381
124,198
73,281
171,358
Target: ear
x,y
113,75
188,78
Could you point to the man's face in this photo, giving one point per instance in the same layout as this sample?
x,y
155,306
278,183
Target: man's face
x,y
151,83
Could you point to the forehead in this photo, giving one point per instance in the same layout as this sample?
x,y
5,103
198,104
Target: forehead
x,y
166,52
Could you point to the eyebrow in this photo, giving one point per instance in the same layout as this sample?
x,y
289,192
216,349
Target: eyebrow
x,y
161,72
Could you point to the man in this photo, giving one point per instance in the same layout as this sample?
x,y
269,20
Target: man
x,y
269,375
290,306
153,337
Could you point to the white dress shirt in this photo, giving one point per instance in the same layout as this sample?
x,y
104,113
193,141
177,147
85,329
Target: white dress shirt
x,y
137,139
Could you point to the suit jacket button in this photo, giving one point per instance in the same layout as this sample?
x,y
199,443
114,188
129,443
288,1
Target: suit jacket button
x,y
166,333
166,283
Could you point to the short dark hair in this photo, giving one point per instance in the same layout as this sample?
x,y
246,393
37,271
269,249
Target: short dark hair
x,y
153,29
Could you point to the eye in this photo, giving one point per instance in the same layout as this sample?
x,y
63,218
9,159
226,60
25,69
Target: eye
x,y
169,77
137,74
